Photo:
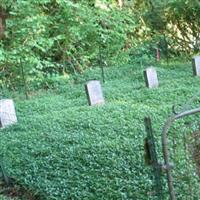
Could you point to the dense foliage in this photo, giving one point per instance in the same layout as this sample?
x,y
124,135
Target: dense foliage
x,y
42,40
50,38
62,148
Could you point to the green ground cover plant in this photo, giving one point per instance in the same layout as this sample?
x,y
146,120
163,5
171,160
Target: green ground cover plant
x,y
5,198
63,149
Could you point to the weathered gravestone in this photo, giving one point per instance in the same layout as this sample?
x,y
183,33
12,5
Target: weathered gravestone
x,y
94,93
150,76
196,65
7,113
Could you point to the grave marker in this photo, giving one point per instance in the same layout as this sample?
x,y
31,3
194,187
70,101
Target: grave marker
x,y
7,113
196,65
94,93
150,76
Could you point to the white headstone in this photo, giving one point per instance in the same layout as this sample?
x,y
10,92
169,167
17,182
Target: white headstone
x,y
151,78
196,65
7,113
94,93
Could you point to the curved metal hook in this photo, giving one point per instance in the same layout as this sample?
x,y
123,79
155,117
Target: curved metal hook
x,y
165,148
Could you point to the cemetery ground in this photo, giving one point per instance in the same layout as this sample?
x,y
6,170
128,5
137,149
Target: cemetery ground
x,y
61,148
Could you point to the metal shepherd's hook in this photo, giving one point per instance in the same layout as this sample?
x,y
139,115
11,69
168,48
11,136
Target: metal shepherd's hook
x,y
165,148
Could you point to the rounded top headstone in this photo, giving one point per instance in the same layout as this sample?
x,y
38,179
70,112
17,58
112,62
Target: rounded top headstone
x,y
7,113
151,78
94,92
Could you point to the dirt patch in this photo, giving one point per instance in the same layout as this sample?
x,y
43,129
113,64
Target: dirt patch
x,y
17,191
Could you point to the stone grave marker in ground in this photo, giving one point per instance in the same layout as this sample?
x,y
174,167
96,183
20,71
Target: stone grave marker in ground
x,y
7,113
196,65
94,93
150,76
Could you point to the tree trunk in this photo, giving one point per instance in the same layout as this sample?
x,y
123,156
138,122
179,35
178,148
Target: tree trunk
x,y
2,22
